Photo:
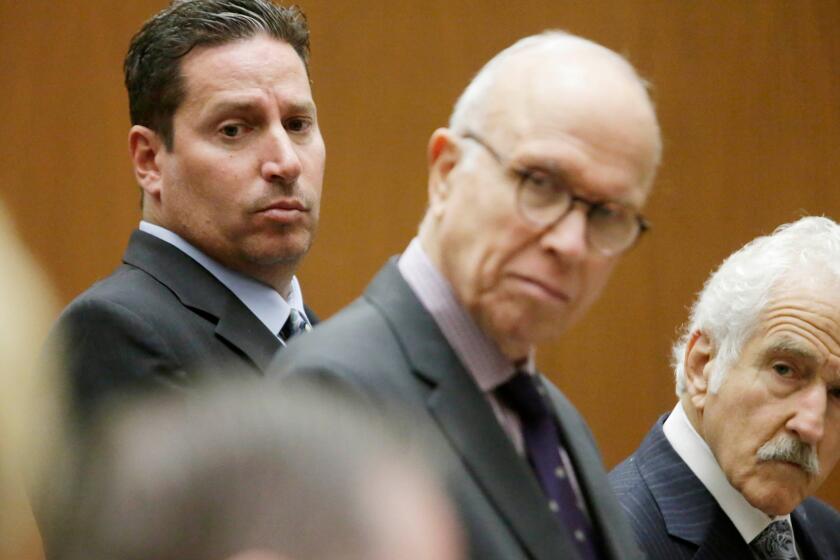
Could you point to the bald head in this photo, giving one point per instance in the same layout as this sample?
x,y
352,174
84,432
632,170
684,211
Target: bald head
x,y
569,77
536,187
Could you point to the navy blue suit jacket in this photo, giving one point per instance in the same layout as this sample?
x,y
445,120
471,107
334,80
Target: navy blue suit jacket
x,y
675,517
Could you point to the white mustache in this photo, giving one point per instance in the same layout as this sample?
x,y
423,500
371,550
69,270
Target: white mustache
x,y
791,449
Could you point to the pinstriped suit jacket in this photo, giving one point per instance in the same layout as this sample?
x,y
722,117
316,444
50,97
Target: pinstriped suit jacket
x,y
675,517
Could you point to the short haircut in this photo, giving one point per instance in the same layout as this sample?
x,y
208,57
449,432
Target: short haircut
x,y
732,300
153,63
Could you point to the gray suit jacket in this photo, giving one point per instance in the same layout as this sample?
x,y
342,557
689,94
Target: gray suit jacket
x,y
676,518
160,320
389,348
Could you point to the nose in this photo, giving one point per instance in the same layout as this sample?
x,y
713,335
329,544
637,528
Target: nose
x,y
808,422
567,237
280,161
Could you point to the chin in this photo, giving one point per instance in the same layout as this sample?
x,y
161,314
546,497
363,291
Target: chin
x,y
775,501
289,250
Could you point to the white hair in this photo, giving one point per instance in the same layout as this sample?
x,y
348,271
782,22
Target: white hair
x,y
728,307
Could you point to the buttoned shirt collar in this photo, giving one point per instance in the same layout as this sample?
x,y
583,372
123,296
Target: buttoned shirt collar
x,y
262,300
695,452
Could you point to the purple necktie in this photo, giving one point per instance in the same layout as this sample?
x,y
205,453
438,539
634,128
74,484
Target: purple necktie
x,y
522,394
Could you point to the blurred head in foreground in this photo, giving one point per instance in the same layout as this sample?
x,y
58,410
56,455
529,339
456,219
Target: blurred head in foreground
x,y
250,472
28,392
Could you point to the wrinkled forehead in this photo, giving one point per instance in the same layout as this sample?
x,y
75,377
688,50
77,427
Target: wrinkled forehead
x,y
805,305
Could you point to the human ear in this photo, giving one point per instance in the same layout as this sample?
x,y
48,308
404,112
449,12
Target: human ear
x,y
144,146
698,365
442,155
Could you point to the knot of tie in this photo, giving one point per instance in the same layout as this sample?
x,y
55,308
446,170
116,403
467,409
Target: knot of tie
x,y
775,542
295,324
522,395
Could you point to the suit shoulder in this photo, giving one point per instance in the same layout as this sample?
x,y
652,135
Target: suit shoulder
x,y
358,334
356,347
821,522
821,513
632,491
127,286
625,476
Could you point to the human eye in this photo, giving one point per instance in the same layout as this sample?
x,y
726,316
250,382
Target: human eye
x,y
834,392
539,187
232,131
610,212
298,124
782,369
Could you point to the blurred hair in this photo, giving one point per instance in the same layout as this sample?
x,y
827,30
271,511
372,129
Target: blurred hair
x,y
732,300
248,466
29,389
153,63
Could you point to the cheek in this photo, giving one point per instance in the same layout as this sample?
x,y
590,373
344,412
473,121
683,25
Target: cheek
x,y
829,451
593,279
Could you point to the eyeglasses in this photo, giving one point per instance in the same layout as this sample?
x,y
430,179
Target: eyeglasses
x,y
543,200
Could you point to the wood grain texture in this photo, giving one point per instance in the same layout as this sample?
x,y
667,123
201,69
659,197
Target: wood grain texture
x,y
748,95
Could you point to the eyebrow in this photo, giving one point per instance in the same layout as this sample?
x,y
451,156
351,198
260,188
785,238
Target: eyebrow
x,y
250,104
790,347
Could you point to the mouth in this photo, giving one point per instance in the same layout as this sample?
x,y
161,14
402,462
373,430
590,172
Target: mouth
x,y
542,290
284,211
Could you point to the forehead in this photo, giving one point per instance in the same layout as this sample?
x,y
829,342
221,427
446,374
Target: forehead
x,y
255,65
802,317
583,112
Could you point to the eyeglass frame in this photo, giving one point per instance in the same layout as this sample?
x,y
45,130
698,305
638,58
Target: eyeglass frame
x,y
523,173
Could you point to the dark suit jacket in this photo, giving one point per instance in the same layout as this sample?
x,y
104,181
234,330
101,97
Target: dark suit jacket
x,y
389,348
160,320
675,517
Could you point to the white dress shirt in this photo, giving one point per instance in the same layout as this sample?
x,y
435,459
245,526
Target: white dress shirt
x,y
695,452
261,299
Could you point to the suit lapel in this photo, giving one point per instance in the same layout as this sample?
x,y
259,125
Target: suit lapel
x,y
689,510
464,416
200,291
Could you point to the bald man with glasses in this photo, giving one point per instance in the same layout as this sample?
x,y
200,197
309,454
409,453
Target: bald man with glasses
x,y
535,192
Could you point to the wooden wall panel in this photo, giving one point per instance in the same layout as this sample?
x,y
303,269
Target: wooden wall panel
x,y
748,96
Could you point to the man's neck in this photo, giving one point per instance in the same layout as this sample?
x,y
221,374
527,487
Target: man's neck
x,y
277,276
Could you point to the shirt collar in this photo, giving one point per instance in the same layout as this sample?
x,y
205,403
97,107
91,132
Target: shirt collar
x,y
478,352
262,300
695,452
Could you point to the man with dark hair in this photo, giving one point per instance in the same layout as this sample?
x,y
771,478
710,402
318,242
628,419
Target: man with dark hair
x,y
227,151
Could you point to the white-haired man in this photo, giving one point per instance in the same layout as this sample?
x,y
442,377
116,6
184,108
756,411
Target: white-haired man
x,y
535,191
729,472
